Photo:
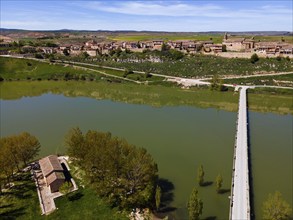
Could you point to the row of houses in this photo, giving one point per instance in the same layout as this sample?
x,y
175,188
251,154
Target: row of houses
x,y
236,44
230,44
186,46
93,48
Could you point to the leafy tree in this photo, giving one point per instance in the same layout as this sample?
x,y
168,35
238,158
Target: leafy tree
x,y
276,208
66,52
158,196
200,175
28,147
219,183
194,205
7,166
254,58
217,84
65,188
164,47
122,173
84,55
224,48
39,56
278,58
148,75
16,151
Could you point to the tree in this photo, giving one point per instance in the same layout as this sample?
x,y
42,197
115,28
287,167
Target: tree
x,y
164,47
254,58
65,188
224,48
20,149
158,196
276,208
200,175
121,172
194,205
219,183
66,52
28,147
217,84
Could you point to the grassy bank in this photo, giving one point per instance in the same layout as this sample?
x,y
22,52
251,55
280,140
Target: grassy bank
x,y
21,201
150,95
25,69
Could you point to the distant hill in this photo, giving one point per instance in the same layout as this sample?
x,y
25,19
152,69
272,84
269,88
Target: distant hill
x,y
5,31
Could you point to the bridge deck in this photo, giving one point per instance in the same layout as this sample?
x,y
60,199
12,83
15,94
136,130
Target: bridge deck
x,y
240,200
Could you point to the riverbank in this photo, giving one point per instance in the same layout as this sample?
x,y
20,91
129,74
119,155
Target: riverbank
x,y
157,96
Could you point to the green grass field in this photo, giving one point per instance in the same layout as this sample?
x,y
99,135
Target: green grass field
x,y
21,202
22,69
121,73
166,37
279,80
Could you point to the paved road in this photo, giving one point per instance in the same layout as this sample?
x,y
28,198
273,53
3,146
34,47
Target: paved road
x,y
240,191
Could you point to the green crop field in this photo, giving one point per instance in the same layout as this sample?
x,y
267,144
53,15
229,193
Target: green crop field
x,y
203,65
278,80
166,37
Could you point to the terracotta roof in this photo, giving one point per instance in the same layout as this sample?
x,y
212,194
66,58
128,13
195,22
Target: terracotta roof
x,y
55,176
50,164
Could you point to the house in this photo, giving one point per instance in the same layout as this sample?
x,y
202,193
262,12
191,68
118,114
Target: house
x,y
274,48
216,48
157,44
239,44
53,172
76,49
4,44
234,44
91,43
188,46
92,52
46,50
176,45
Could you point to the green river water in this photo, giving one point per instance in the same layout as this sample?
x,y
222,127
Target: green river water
x,y
179,137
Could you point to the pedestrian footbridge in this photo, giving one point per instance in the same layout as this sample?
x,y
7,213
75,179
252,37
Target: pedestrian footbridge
x,y
240,197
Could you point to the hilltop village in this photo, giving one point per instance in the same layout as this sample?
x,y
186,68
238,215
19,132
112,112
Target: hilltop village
x,y
231,46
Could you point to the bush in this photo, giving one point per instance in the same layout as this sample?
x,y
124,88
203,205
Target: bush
x,y
254,58
39,56
278,58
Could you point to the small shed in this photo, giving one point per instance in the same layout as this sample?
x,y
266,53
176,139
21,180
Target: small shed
x,y
52,172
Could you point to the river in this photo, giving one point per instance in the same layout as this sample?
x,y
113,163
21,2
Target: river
x,y
179,137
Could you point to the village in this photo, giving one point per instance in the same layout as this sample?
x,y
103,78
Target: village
x,y
231,47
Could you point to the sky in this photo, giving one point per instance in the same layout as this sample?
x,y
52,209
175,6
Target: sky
x,y
150,15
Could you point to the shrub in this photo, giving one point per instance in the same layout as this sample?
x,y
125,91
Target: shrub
x,y
278,58
254,58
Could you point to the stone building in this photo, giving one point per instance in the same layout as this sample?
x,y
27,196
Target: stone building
x,y
53,172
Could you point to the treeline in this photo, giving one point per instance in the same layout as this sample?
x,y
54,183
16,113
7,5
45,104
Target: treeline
x,y
16,151
120,172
